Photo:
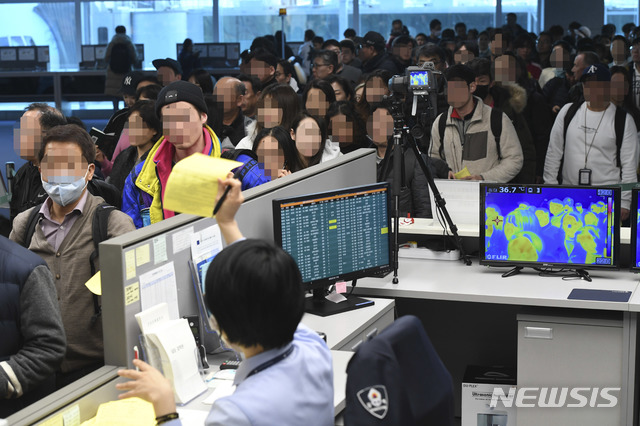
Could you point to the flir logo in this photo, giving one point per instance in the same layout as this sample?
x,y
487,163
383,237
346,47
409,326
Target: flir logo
x,y
555,397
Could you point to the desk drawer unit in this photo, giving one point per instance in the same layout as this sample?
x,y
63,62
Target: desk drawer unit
x,y
558,355
370,332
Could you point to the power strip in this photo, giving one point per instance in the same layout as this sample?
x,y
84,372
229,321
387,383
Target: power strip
x,y
425,253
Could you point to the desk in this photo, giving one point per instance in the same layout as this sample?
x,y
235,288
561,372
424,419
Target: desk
x,y
98,387
470,311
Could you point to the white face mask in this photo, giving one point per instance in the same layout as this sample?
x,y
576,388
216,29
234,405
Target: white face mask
x,y
214,326
63,192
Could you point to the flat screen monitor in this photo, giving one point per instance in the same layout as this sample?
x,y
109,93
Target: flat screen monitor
x,y
335,236
572,227
635,236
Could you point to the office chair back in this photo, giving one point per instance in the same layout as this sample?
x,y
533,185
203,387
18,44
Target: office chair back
x,y
397,378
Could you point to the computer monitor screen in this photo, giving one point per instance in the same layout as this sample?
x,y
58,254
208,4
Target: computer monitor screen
x,y
573,227
635,229
335,236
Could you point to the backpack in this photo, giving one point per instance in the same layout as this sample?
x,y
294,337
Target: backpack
x,y
496,129
619,123
99,227
233,154
120,61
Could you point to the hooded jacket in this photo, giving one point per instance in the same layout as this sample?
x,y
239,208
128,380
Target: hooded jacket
x,y
144,187
471,144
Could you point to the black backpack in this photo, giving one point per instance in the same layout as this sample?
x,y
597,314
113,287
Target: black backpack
x,y
99,228
496,129
619,123
120,62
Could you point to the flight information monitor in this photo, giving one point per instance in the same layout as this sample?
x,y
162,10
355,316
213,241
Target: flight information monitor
x,y
335,236
574,227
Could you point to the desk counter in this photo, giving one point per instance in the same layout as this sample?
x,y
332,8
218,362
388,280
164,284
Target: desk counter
x,y
453,281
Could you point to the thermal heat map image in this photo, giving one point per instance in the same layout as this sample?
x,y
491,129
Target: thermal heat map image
x,y
549,225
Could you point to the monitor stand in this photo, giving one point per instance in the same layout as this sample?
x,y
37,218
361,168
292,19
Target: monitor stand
x,y
511,272
319,305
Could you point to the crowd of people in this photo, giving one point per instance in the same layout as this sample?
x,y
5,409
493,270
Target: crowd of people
x,y
507,106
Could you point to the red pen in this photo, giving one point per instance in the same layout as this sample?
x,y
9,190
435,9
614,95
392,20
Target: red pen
x,y
136,355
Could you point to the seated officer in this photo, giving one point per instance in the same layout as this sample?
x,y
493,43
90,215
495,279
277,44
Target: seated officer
x,y
254,292
63,237
183,111
33,342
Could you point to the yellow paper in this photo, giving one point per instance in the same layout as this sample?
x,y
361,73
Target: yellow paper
x,y
193,184
462,173
54,421
131,293
95,284
130,263
125,412
143,255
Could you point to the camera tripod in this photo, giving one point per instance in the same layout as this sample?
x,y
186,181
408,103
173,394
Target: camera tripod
x,y
402,135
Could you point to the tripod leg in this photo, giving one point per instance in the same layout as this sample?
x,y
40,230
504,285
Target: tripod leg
x,y
439,201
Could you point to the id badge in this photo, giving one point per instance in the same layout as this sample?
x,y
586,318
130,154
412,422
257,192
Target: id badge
x,y
146,217
584,177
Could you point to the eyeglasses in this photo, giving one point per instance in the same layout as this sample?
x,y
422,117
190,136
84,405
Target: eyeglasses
x,y
314,65
435,63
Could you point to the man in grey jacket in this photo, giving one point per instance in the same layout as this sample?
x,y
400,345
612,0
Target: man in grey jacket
x,y
33,341
469,145
63,237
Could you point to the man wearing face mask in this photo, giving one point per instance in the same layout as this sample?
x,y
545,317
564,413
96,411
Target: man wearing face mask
x,y
464,137
63,238
505,94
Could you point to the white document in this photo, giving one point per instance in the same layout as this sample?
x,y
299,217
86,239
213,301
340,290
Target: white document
x,y
152,317
179,356
159,249
159,285
206,244
223,388
182,239
192,417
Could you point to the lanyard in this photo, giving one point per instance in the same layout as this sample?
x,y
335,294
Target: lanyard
x,y
271,362
586,152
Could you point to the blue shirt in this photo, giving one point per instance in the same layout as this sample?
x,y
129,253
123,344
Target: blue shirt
x,y
298,390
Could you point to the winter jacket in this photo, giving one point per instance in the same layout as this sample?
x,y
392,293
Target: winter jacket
x,y
470,143
512,99
33,341
144,187
382,61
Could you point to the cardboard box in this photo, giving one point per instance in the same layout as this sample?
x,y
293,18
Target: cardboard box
x,y
477,389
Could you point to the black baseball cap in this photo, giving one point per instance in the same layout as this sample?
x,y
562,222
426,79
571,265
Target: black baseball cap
x,y
373,39
168,62
130,82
